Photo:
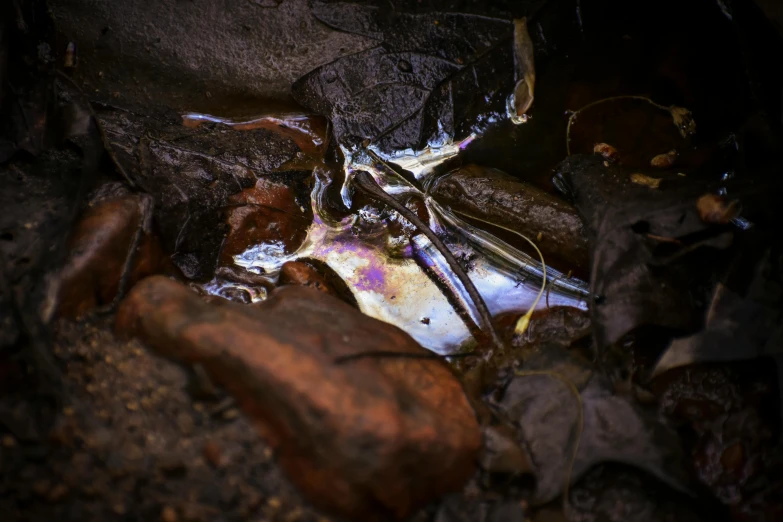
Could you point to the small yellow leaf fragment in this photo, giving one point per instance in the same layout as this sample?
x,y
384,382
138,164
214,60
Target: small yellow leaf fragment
x,y
647,181
665,160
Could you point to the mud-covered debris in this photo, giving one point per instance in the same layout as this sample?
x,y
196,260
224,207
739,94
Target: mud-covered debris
x,y
730,411
309,132
368,438
493,197
110,248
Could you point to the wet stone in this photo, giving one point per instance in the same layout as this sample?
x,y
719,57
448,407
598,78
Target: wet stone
x,y
266,216
490,196
302,274
370,437
112,237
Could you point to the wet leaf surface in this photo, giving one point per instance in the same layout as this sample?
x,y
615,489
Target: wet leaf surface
x,y
192,174
425,79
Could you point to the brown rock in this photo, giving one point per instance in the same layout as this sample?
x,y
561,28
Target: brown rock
x,y
266,214
112,236
491,196
302,274
370,438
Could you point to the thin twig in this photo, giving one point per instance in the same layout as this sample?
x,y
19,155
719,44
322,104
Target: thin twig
x,y
366,184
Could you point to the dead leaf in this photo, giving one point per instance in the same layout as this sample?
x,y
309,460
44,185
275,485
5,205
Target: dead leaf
x,y
744,321
425,79
614,429
637,280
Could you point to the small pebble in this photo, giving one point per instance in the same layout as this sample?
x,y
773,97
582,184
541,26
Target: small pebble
x,y
231,413
57,493
9,441
168,514
41,487
274,502
213,454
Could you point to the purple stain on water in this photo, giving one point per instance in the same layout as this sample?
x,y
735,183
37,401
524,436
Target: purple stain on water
x,y
371,278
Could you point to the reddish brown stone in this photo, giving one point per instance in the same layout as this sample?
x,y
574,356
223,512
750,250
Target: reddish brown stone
x,y
267,213
112,236
302,274
369,438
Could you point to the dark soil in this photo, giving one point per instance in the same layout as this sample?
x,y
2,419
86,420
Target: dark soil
x,y
132,444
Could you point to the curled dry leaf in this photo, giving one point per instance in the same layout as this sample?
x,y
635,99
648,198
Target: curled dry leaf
x,y
524,65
